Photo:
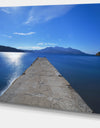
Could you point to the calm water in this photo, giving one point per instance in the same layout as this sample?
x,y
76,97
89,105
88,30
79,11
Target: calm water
x,y
82,72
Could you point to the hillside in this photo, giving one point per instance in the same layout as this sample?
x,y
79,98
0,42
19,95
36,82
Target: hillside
x,y
98,54
9,49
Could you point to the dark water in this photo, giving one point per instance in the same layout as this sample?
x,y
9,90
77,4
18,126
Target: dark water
x,y
82,72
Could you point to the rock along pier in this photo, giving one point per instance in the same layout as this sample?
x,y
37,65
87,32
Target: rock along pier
x,y
41,85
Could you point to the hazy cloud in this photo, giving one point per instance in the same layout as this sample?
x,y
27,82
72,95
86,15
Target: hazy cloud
x,y
8,36
6,10
9,10
44,14
38,46
30,19
52,44
31,48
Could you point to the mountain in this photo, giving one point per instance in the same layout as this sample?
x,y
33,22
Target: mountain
x,y
98,54
60,50
9,49
51,50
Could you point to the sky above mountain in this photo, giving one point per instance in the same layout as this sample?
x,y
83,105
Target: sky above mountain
x,y
37,27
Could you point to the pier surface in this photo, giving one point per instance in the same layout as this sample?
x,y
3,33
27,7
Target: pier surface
x,y
41,85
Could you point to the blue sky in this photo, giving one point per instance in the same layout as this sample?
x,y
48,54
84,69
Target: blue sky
x,y
37,27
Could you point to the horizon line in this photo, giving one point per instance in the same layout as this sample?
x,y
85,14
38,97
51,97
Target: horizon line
x,y
28,48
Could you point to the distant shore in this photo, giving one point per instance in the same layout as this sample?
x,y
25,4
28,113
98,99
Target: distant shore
x,y
47,50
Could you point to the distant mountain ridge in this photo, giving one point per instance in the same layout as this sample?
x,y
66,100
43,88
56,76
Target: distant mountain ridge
x,y
60,50
51,50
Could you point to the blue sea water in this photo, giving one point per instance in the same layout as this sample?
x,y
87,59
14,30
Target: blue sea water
x,y
82,72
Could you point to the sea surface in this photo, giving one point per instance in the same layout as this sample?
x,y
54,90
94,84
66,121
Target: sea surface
x,y
82,72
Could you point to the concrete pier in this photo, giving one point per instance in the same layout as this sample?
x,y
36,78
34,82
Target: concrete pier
x,y
41,85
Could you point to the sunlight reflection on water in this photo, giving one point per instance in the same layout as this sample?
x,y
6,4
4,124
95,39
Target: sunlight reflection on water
x,y
14,60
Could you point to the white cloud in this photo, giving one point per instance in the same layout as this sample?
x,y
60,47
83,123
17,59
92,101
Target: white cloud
x,y
47,44
40,44
44,14
37,48
24,34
